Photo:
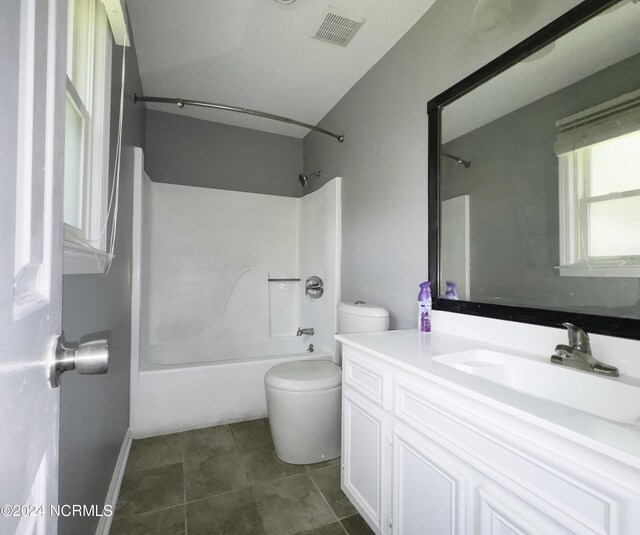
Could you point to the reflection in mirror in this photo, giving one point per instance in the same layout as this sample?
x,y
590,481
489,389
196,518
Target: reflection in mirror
x,y
540,177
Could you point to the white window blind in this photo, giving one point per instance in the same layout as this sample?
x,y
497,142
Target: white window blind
x,y
608,120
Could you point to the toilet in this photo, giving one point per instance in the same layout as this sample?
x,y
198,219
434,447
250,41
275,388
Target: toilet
x,y
304,397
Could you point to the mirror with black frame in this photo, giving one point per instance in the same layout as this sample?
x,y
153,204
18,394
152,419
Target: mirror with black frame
x,y
535,193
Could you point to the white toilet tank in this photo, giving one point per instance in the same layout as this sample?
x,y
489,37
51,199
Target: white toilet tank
x,y
362,317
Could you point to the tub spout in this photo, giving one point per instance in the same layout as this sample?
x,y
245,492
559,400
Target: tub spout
x,y
308,330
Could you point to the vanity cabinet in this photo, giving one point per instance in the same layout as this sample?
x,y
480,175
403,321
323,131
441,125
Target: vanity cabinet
x,y
420,458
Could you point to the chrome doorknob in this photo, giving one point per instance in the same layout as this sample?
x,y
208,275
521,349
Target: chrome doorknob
x,y
90,356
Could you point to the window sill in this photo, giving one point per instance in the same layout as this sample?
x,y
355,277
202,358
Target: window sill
x,y
584,270
82,260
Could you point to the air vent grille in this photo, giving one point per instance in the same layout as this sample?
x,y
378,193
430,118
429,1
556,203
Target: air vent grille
x,y
337,29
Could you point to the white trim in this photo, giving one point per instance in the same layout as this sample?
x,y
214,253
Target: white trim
x,y
97,182
117,21
95,168
584,270
104,525
337,267
82,259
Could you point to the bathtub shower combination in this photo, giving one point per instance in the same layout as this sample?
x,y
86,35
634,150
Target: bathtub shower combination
x,y
219,296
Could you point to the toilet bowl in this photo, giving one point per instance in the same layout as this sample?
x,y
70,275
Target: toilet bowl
x,y
304,398
303,402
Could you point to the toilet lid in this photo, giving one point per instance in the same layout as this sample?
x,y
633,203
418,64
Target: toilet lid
x,y
304,376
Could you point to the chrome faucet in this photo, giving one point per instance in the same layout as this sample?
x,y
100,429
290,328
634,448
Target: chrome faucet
x,y
578,354
308,331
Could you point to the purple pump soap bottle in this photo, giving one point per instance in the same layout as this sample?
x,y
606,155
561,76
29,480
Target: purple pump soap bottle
x,y
424,307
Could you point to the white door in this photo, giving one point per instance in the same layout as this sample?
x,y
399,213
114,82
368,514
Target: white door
x,y
365,446
32,82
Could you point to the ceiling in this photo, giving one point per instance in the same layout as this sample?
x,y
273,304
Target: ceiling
x,y
260,54
601,42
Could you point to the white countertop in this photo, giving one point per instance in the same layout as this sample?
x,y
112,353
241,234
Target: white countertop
x,y
413,352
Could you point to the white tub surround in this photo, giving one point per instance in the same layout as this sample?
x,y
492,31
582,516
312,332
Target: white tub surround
x,y
224,271
319,246
430,448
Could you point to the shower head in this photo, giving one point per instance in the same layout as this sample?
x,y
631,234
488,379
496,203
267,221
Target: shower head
x,y
457,159
304,179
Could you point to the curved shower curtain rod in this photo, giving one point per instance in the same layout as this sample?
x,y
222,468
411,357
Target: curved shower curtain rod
x,y
182,102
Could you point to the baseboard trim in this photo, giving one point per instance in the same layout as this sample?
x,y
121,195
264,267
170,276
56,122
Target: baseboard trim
x,y
104,526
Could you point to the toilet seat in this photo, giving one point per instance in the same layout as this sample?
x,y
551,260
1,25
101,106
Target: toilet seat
x,y
304,376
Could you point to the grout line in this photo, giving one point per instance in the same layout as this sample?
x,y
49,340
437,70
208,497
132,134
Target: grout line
x,y
264,481
342,526
326,501
215,495
184,486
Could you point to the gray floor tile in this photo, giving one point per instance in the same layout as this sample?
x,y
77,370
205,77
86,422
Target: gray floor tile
x,y
328,481
330,529
232,513
291,505
204,443
155,451
262,465
252,433
324,464
164,522
151,489
214,475
355,525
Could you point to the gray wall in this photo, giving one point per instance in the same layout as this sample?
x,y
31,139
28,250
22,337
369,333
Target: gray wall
x,y
95,409
384,157
184,150
514,213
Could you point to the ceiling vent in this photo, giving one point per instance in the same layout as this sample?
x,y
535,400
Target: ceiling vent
x,y
337,29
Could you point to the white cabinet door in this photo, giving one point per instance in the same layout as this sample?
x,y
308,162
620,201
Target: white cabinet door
x,y
430,487
502,513
365,447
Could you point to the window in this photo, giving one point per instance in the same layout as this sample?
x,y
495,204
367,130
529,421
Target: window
x,y
599,157
86,176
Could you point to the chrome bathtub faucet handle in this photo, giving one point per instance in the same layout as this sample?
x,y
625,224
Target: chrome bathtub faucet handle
x,y
314,287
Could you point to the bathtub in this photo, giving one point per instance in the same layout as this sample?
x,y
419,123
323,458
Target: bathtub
x,y
204,333
169,399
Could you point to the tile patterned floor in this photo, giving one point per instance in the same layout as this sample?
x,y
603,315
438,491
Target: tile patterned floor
x,y
226,480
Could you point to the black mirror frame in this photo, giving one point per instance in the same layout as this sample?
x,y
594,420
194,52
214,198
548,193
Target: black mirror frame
x,y
622,327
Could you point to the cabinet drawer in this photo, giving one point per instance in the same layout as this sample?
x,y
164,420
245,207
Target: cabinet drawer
x,y
578,504
368,379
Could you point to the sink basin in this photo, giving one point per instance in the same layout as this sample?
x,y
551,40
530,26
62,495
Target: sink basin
x,y
608,398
